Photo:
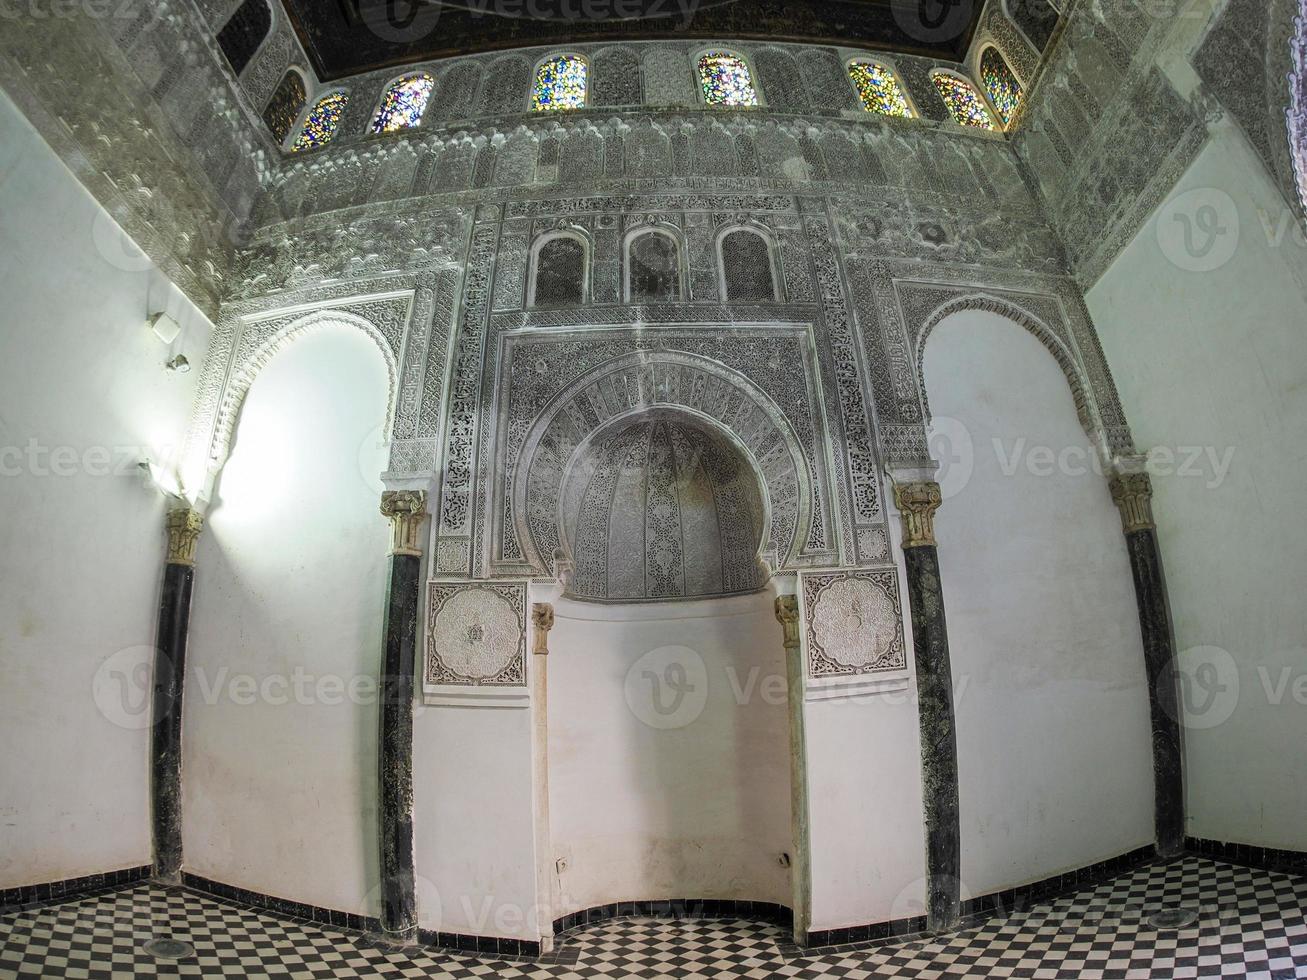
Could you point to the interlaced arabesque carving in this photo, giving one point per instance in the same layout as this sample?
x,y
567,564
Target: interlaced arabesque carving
x,y
662,505
476,634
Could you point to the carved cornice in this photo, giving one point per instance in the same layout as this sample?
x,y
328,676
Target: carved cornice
x,y
1133,495
917,503
184,526
787,614
406,509
542,621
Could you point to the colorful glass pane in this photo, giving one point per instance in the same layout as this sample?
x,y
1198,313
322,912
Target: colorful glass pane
x,y
560,84
879,89
726,80
404,104
322,122
1003,88
963,102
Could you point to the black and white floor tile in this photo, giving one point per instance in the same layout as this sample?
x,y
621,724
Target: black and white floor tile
x,y
1250,924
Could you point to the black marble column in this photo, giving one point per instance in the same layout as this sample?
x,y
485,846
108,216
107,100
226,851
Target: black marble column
x,y
917,503
169,675
1133,495
406,510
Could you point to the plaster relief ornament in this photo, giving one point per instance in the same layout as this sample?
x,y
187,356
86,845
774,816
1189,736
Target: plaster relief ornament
x,y
477,634
853,622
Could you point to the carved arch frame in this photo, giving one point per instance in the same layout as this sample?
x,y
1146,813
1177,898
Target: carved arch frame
x,y
633,416
576,233
751,227
786,552
1077,379
250,366
677,237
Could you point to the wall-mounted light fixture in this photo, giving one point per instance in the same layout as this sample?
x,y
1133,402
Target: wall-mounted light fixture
x,y
179,364
156,477
164,326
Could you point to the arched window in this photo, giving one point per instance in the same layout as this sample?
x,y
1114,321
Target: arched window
x,y
747,272
403,104
321,123
878,89
1003,88
241,36
653,267
963,101
561,82
559,270
285,106
726,79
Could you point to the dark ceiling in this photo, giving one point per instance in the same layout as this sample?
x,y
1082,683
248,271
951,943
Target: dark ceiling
x,y
346,37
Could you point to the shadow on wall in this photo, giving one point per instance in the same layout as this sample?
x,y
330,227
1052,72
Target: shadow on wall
x,y
669,760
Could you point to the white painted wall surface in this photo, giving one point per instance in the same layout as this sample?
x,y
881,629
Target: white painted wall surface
x,y
660,796
279,783
472,822
1054,740
867,838
1210,351
82,383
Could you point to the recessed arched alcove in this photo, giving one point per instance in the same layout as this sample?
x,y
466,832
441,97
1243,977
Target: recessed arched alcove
x,y
1051,694
663,505
668,728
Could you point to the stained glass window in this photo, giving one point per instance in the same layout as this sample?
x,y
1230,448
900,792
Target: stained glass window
x,y
560,84
322,121
403,104
1003,88
726,80
879,89
963,101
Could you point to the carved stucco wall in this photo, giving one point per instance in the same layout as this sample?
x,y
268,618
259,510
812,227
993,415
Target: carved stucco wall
x,y
875,229
662,505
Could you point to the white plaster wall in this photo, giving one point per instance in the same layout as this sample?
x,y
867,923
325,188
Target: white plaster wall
x,y
867,839
279,771
686,799
1215,357
1054,739
81,536
472,822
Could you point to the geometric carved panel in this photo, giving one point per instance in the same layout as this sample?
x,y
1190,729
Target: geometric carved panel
x,y
853,621
476,633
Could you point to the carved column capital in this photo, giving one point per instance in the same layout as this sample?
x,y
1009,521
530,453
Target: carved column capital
x,y
542,620
184,526
1133,495
917,503
406,509
787,614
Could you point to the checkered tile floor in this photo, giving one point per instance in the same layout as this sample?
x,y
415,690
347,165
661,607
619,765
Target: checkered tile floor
x,y
1251,924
